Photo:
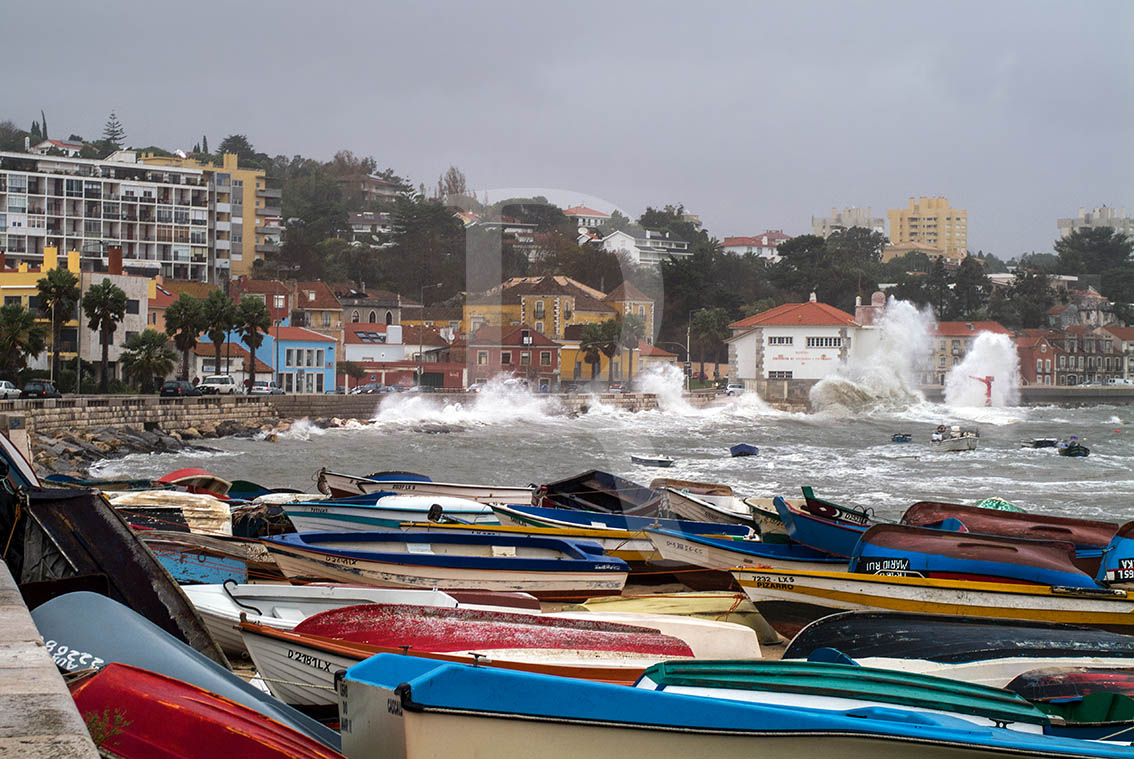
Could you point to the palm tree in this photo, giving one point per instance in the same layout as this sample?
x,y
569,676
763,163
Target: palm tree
x,y
631,331
148,355
710,325
219,316
609,346
252,318
58,295
20,337
105,306
591,343
184,322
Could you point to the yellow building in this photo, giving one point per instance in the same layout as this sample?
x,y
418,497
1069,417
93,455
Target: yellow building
x,y
18,286
932,223
247,223
557,307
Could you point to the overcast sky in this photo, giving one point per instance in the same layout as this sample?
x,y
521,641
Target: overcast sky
x,y
754,115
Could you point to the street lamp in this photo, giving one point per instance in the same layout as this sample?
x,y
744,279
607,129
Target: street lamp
x,y
688,332
276,360
421,333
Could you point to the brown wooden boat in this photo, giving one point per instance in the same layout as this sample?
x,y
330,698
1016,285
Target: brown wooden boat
x,y
1083,533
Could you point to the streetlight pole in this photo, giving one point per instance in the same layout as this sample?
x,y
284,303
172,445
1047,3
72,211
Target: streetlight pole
x,y
688,360
421,334
276,359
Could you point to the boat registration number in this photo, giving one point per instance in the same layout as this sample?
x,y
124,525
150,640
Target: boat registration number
x,y
1125,571
885,566
71,658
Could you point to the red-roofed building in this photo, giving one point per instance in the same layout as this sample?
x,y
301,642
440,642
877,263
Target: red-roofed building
x,y
157,306
652,354
1040,360
763,245
793,341
67,148
316,307
234,361
275,294
586,217
951,341
1124,342
520,351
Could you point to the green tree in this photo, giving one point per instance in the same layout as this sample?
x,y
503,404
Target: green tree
x,y
609,346
11,137
113,132
43,122
237,144
184,321
352,370
631,331
218,318
937,290
34,132
970,289
148,355
1093,250
20,337
1031,298
204,144
105,306
710,327
58,295
592,342
252,319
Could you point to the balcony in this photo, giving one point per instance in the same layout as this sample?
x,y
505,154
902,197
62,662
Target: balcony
x,y
267,248
269,211
223,245
223,226
269,193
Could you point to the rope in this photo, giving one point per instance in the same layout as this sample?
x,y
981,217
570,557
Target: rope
x,y
249,678
16,514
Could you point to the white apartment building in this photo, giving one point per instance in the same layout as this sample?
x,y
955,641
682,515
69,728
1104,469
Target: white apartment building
x,y
648,246
1105,216
161,216
848,218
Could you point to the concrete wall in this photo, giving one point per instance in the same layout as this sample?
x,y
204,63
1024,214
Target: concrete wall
x,y
38,718
94,412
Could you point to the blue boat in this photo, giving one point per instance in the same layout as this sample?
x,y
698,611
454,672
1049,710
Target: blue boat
x,y
1117,564
193,568
424,708
86,630
898,549
743,449
722,553
540,516
901,437
366,513
825,531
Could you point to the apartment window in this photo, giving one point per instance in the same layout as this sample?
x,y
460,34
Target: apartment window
x,y
164,215
824,342
19,183
779,375
505,357
132,306
539,327
482,358
180,216
13,300
641,310
941,361
1062,362
525,358
780,340
354,317
319,357
941,345
280,301
326,319
538,312
289,357
545,358
1039,365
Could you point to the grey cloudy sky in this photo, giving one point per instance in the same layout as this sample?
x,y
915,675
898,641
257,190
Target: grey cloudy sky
x,y
755,115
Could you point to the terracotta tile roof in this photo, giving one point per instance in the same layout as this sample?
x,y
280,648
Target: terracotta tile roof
x,y
646,349
266,286
236,353
1122,333
299,333
429,335
1058,309
626,291
584,211
189,287
323,299
510,292
510,336
162,298
967,329
810,313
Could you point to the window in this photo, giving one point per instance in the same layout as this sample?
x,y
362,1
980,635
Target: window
x,y
13,300
1062,362
1047,364
132,306
1039,365
545,358
538,312
525,358
289,357
641,310
779,340
941,361
280,301
326,319
824,342
354,317
389,317
482,358
779,375
539,327
373,318
319,358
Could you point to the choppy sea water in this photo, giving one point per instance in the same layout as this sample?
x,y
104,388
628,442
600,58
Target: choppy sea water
x,y
843,450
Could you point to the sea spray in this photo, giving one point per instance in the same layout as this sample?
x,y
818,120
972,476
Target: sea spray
x,y
884,367
667,382
501,401
991,355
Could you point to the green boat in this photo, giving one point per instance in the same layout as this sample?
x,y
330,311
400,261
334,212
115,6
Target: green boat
x,y
827,685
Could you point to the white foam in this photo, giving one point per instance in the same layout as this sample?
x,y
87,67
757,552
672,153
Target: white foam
x,y
499,402
991,356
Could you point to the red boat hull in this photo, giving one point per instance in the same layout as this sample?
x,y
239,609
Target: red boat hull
x,y
140,715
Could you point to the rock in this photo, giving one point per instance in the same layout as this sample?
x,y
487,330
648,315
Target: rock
x,y
190,433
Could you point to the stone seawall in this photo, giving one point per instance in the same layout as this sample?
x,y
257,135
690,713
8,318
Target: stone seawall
x,y
46,417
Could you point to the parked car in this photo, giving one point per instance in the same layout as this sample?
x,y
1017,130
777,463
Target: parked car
x,y
1119,381
616,387
8,390
475,387
734,388
368,388
218,384
178,389
265,387
40,389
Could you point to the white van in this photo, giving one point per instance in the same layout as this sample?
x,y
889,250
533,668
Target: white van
x,y
218,384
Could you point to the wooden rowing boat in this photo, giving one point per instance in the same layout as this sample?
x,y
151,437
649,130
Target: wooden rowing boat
x,y
337,485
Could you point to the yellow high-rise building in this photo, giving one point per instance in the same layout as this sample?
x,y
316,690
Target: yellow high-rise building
x,y
931,224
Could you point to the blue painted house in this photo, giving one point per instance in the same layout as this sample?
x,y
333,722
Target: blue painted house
x,y
304,360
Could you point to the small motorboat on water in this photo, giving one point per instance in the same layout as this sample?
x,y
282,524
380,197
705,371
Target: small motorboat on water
x,y
1073,448
651,460
953,438
1040,442
743,449
901,437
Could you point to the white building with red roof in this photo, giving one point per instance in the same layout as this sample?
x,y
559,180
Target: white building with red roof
x,y
763,245
793,341
586,217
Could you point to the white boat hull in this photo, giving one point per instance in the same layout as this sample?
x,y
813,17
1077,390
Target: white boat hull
x,y
715,557
302,564
345,485
387,514
955,444
294,673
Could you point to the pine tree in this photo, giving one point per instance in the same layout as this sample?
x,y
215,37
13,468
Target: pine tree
x,y
44,123
197,148
34,131
204,143
114,132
